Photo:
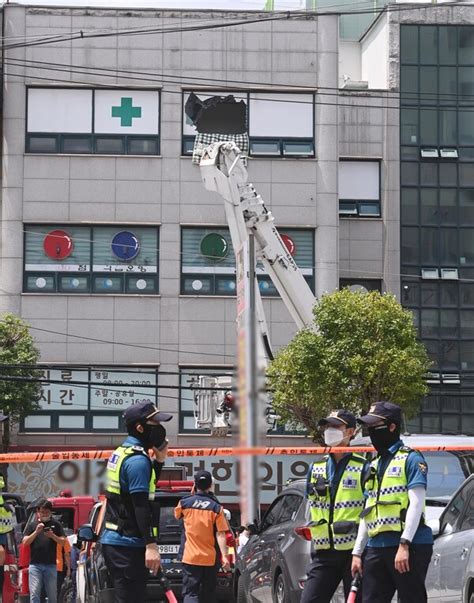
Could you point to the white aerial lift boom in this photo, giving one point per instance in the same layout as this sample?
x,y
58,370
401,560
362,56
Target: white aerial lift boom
x,y
223,171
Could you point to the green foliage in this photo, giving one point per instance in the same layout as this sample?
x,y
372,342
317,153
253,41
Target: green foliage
x,y
364,348
17,346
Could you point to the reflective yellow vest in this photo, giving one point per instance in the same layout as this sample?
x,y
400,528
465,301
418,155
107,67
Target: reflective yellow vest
x,y
334,523
6,516
387,501
114,466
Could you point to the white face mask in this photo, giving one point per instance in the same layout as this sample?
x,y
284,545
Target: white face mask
x,y
333,436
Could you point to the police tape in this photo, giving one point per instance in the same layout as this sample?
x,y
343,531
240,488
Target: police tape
x,y
96,455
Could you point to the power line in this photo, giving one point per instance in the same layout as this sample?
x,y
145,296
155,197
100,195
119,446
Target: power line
x,y
229,85
286,15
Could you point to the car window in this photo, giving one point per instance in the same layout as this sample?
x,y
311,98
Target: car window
x,y
65,516
168,522
291,504
94,515
452,514
271,516
446,471
467,520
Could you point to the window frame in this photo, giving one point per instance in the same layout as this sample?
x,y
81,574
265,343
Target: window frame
x,y
357,204
93,136
187,141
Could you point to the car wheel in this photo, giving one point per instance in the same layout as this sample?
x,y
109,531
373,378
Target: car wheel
x,y
241,594
280,590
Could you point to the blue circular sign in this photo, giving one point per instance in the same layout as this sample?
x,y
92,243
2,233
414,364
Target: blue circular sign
x,y
125,245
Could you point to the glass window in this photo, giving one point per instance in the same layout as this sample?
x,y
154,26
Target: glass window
x,y
208,260
428,86
432,349
42,144
466,45
113,146
429,206
447,41
429,126
409,206
289,508
466,127
408,85
409,153
410,293
409,173
198,377
448,88
410,245
467,324
429,295
271,516
448,246
105,422
429,323
467,521
80,117
82,259
466,351
466,174
466,206
448,209
409,126
429,253
466,294
409,44
428,45
428,173
449,323
450,355
452,513
448,133
359,180
281,115
448,174
466,247
265,147
449,294
301,149
76,144
37,422
73,422
465,85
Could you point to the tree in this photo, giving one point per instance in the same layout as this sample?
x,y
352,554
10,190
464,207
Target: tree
x,y
363,349
18,397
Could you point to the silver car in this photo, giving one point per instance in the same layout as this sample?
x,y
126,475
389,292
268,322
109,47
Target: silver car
x,y
451,572
271,567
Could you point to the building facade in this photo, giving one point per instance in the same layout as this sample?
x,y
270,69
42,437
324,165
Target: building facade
x,y
113,250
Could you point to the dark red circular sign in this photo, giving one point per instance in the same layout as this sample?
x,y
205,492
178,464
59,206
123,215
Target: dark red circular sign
x,y
58,245
289,244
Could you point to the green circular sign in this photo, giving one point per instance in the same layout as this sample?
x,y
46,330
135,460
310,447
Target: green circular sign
x,y
214,246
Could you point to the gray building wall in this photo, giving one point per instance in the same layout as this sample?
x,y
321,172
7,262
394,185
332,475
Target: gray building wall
x,y
176,330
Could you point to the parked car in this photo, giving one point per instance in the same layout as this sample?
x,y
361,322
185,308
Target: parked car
x,y
94,581
272,564
451,572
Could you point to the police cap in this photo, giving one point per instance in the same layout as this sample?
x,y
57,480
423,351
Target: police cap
x,y
144,411
387,411
338,418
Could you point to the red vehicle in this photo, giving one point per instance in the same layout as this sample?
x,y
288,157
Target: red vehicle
x,y
71,512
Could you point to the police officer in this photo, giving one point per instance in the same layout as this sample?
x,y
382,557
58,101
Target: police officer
x,y
131,520
400,544
336,496
6,522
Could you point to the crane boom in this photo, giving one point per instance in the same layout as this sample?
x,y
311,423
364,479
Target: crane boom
x,y
223,171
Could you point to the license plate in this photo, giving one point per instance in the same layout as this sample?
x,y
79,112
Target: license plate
x,y
168,548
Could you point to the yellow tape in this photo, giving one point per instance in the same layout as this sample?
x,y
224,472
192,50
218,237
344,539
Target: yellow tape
x,y
92,455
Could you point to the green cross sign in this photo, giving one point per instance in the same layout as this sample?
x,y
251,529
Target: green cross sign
x,y
126,111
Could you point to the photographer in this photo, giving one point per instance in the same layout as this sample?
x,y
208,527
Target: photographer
x,y
43,535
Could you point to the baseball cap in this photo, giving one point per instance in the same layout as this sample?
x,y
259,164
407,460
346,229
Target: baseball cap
x,y
143,411
392,413
338,418
203,480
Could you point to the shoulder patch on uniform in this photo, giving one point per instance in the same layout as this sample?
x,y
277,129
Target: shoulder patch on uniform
x,y
113,460
423,467
406,449
394,471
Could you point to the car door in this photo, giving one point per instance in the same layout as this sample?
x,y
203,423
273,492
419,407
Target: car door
x,y
259,564
453,546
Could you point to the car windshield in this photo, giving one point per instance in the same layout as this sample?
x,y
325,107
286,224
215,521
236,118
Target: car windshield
x,y
447,471
168,522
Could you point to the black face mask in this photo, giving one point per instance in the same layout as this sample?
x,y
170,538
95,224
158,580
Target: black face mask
x,y
152,436
382,438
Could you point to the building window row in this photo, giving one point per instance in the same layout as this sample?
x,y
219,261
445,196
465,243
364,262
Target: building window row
x,y
111,121
125,260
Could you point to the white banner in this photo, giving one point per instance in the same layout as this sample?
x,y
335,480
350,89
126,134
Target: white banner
x,y
59,110
126,112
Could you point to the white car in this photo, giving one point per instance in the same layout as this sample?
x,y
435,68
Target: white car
x,y
451,572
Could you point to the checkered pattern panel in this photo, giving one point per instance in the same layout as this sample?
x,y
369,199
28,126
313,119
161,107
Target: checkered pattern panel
x,y
204,140
350,504
321,541
317,504
393,490
354,468
344,539
383,521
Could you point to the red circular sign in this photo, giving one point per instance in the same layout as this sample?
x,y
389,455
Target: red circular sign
x,y
289,244
58,245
